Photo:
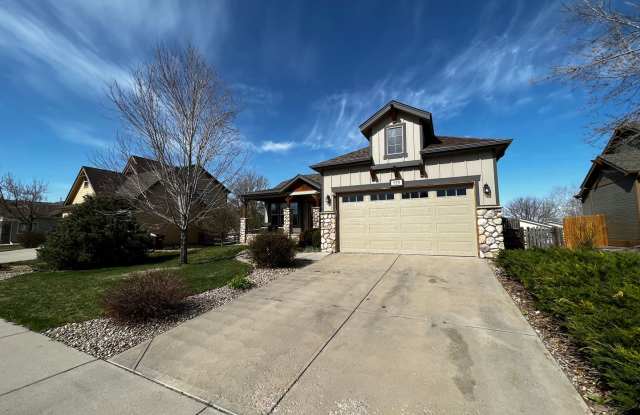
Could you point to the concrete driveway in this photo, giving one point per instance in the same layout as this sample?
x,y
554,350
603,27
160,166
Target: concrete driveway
x,y
18,255
365,334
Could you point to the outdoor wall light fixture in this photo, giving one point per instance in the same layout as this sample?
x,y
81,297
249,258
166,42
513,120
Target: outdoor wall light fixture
x,y
329,200
486,189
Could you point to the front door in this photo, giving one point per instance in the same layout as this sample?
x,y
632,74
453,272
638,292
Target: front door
x,y
5,233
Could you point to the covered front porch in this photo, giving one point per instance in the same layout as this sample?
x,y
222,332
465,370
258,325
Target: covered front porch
x,y
293,207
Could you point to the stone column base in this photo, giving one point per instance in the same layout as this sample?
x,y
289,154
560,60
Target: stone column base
x,y
328,232
490,231
243,231
315,214
286,221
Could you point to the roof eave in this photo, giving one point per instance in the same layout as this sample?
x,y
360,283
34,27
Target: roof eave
x,y
422,114
500,147
323,167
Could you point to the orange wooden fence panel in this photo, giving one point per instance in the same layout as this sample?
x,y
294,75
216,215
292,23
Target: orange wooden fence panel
x,y
578,230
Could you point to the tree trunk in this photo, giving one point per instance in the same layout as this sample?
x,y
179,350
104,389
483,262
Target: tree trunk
x,y
183,246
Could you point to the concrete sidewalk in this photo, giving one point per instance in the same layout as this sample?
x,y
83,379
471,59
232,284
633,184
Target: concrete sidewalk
x,y
41,376
18,255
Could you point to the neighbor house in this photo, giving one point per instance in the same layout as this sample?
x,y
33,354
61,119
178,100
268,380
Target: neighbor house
x,y
91,181
529,224
11,226
408,191
611,187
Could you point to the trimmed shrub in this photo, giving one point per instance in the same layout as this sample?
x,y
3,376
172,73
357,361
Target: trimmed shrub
x,y
596,297
31,239
146,295
99,232
273,249
241,283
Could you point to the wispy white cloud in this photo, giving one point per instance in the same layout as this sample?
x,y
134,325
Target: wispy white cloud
x,y
75,43
75,132
276,147
491,69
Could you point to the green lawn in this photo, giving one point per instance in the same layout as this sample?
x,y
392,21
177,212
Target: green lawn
x,y
45,299
596,297
10,247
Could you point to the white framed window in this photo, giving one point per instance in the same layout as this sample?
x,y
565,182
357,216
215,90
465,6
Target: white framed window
x,y
452,191
352,198
85,184
394,141
374,197
415,194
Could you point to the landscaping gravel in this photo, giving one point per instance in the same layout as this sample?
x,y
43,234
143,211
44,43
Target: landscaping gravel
x,y
10,271
104,337
575,366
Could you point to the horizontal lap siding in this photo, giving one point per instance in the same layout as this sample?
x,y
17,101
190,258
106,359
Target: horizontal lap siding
x,y
615,196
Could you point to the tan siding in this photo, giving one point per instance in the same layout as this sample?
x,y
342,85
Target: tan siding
x,y
413,139
615,197
469,164
82,192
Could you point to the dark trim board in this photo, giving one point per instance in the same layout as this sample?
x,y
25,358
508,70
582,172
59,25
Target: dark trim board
x,y
398,165
407,184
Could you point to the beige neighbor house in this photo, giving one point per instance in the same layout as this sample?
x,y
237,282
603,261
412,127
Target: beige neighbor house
x,y
92,181
408,191
611,187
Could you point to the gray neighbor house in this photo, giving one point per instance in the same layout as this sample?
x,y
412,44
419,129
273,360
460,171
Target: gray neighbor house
x,y
611,187
407,191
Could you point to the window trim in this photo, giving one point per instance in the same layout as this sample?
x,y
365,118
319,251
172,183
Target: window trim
x,y
403,152
378,194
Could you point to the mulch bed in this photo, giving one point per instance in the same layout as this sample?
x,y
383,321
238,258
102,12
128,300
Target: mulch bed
x,y
572,361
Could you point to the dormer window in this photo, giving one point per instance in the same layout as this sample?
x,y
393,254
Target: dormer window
x,y
394,141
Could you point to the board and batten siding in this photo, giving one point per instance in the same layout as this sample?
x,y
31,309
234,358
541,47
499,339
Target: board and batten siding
x,y
481,163
413,139
616,196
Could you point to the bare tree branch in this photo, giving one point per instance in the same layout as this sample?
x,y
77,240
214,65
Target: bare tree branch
x,y
21,200
179,114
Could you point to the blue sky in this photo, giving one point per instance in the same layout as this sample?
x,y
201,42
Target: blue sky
x,y
306,74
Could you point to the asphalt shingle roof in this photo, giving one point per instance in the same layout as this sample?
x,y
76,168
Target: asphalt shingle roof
x,y
437,144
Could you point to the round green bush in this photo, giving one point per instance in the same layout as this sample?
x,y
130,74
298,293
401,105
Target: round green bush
x,y
273,250
99,232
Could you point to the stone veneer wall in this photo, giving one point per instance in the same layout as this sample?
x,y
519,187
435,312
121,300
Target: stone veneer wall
x,y
315,214
328,232
286,221
490,235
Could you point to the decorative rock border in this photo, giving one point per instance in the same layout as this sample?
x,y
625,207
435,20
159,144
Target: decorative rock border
x,y
328,232
490,231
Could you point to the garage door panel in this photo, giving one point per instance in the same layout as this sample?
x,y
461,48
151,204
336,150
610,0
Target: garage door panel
x,y
431,225
417,227
383,212
383,228
446,228
417,211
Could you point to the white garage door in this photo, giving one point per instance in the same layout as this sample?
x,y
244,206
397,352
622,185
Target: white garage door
x,y
426,221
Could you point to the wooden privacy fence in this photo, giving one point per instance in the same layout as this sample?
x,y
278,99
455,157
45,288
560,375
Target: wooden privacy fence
x,y
516,237
542,237
586,231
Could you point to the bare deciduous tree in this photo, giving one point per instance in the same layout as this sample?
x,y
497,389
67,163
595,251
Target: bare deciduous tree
x,y
179,113
21,200
250,181
606,57
566,204
532,208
